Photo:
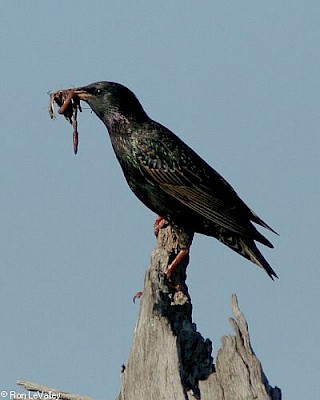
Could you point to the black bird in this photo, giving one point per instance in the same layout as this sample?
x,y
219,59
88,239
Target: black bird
x,y
170,178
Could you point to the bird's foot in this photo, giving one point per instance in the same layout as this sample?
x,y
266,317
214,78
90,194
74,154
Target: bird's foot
x,y
180,256
160,223
137,296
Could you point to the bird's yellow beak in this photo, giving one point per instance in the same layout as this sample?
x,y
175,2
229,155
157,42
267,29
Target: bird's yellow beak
x,y
82,94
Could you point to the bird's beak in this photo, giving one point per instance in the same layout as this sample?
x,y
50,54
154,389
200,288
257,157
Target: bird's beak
x,y
82,94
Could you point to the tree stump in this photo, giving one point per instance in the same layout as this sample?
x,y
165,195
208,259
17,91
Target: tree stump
x,y
169,359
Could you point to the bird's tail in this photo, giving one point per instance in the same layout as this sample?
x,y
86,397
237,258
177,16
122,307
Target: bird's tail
x,y
248,249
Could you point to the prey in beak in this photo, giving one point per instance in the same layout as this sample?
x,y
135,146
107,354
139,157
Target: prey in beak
x,y
68,101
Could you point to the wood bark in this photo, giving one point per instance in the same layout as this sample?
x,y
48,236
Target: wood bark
x,y
169,359
51,393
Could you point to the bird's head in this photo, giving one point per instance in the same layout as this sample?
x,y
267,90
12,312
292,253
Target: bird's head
x,y
110,100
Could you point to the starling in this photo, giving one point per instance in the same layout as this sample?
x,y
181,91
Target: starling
x,y
170,178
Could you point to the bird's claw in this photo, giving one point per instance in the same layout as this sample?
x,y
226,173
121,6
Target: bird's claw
x,y
159,223
137,296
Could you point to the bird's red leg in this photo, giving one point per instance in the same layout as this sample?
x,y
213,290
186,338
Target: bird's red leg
x,y
171,268
180,256
160,222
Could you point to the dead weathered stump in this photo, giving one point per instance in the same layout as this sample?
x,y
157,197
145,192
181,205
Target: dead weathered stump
x,y
169,359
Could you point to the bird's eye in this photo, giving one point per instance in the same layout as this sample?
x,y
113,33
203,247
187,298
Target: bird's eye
x,y
98,92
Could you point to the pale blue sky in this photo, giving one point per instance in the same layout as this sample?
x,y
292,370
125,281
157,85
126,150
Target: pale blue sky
x,y
236,80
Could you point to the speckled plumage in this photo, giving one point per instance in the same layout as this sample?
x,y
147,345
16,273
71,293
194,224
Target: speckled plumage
x,y
170,178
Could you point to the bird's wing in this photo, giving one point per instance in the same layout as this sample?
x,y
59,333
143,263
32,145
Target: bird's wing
x,y
198,187
197,198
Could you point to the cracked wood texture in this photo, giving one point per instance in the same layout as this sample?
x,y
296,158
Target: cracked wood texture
x,y
169,359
